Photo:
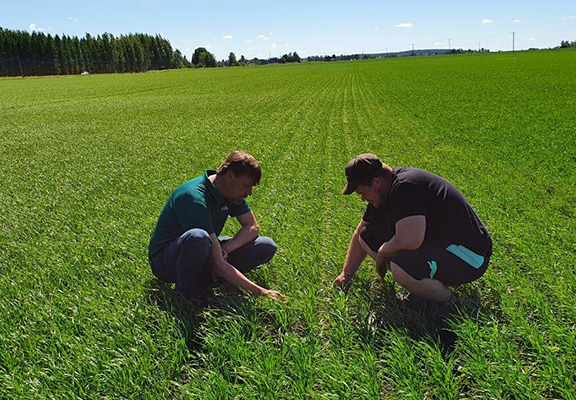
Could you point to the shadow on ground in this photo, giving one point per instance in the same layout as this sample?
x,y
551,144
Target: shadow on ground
x,y
423,320
189,313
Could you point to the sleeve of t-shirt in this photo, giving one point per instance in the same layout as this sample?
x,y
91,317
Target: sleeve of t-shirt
x,y
408,200
193,214
368,214
238,209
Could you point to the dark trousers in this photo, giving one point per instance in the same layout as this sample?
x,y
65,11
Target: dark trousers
x,y
186,261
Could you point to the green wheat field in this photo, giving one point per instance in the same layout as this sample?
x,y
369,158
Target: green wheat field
x,y
87,164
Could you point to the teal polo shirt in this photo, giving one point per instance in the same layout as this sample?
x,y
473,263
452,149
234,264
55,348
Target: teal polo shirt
x,y
194,204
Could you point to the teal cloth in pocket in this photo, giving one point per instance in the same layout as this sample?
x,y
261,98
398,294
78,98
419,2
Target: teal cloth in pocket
x,y
466,254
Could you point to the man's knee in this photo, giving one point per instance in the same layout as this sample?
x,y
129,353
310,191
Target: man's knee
x,y
363,244
400,276
197,239
370,240
266,249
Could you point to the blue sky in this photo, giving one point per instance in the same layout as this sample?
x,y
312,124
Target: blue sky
x,y
260,29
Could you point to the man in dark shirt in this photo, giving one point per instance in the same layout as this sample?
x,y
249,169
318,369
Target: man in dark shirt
x,y
185,248
418,226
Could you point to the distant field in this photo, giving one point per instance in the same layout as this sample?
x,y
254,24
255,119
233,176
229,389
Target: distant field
x,y
88,162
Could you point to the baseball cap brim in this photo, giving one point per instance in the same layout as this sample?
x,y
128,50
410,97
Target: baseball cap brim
x,y
350,187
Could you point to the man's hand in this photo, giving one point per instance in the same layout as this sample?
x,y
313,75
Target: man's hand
x,y
224,253
341,281
274,295
382,267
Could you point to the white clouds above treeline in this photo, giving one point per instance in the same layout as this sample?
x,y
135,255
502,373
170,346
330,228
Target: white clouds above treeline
x,y
33,27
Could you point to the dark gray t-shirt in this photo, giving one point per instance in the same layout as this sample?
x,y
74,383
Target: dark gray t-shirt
x,y
449,217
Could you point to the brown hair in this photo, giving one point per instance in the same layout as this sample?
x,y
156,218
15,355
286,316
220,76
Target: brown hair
x,y
242,164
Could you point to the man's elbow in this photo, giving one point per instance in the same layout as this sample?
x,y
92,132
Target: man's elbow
x,y
359,230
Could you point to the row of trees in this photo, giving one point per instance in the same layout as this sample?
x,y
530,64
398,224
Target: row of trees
x,y
290,58
37,53
341,57
232,61
565,44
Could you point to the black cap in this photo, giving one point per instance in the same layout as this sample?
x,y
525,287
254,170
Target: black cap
x,y
363,167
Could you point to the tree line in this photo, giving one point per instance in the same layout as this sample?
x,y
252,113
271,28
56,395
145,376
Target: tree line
x,y
341,57
566,44
234,62
36,53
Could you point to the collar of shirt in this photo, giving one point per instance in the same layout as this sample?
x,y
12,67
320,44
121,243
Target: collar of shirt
x,y
214,193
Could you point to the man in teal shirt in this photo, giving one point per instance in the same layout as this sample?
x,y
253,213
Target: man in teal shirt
x,y
185,248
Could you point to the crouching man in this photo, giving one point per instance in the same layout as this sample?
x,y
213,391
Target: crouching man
x,y
418,226
185,248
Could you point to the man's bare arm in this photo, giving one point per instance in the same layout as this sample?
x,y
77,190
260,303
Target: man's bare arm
x,y
410,232
235,277
354,258
248,232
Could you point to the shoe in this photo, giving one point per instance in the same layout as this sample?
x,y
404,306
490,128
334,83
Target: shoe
x,y
413,302
438,312
201,298
453,304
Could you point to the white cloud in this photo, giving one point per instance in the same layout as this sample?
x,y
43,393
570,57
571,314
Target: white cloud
x,y
516,21
439,43
487,21
273,45
33,27
531,39
405,25
262,37
73,19
207,46
568,17
249,41
270,33
376,27
227,37
287,44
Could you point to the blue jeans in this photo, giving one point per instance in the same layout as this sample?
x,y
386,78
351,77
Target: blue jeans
x,y
186,261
